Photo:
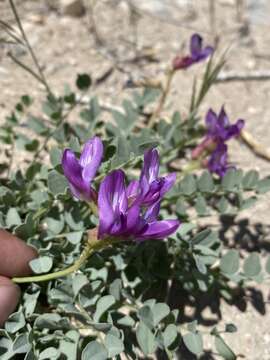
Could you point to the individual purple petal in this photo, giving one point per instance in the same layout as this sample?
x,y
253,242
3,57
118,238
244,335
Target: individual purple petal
x,y
207,51
223,120
133,189
91,157
133,218
111,198
150,165
218,160
152,212
72,169
211,121
234,130
159,229
195,45
169,181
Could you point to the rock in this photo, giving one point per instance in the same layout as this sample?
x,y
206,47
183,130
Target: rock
x,y
74,8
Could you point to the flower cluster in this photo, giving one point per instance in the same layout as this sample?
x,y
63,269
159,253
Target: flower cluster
x,y
219,130
129,212
197,53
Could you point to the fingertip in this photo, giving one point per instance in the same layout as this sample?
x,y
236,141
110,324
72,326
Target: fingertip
x,y
9,297
15,255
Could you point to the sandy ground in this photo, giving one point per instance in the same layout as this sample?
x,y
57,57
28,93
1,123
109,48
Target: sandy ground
x,y
66,46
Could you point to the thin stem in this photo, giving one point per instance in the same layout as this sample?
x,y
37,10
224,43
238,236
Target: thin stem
x,y
92,245
163,98
25,67
11,156
35,60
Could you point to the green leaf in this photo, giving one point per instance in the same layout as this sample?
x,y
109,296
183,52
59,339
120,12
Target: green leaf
x,y
30,301
263,185
188,185
230,180
83,81
250,180
160,311
13,217
247,203
146,339
185,228
115,289
50,353
229,263
55,156
223,205
146,315
78,282
114,345
252,265
103,305
192,326
201,206
201,236
267,265
200,264
169,335
37,125
94,350
69,345
39,197
15,322
57,183
205,182
230,328
193,342
41,265
74,237
54,224
21,344
26,100
223,349
126,321
123,151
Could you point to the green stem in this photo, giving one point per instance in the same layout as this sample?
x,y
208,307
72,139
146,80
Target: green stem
x,y
162,100
92,245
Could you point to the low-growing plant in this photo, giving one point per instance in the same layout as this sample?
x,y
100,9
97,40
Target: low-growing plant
x,y
121,253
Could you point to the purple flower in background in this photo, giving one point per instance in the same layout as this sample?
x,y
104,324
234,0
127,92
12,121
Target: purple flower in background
x,y
80,173
197,53
218,160
219,127
219,130
123,214
150,188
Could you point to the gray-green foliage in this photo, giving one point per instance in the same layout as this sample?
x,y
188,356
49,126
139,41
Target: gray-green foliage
x,y
118,302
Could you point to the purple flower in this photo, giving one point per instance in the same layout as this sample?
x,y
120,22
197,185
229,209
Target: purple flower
x,y
197,53
219,130
219,127
122,214
80,173
150,188
218,160
153,187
